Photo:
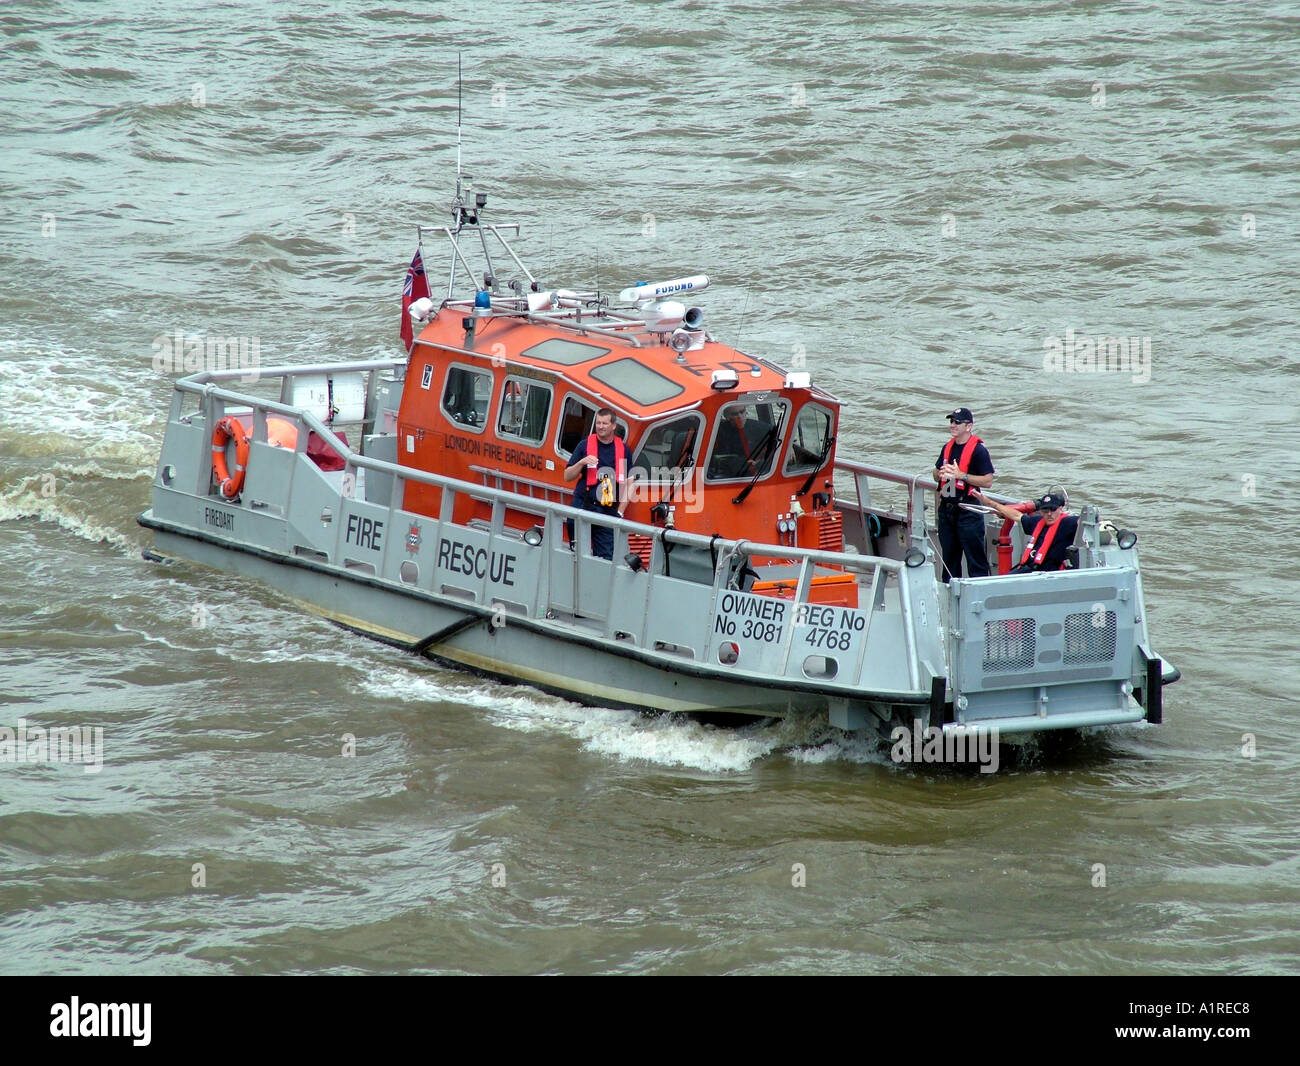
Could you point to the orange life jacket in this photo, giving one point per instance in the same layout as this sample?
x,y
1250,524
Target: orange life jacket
x,y
620,460
963,460
1039,551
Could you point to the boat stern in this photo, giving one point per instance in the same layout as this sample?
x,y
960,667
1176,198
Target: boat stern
x,y
1052,651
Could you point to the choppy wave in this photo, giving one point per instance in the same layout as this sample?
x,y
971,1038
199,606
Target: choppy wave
x,y
917,210
67,404
659,739
29,499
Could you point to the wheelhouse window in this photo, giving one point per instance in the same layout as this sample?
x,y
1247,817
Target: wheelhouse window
x,y
808,437
668,450
466,396
578,420
747,440
525,409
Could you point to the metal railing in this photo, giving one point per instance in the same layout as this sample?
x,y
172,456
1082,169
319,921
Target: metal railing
x,y
870,571
203,385
919,489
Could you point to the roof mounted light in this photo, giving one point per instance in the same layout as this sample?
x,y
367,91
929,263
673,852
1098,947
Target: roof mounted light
x,y
721,380
681,341
798,379
420,309
1126,538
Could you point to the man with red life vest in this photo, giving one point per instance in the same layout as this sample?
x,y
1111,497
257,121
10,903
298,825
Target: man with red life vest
x,y
1051,532
599,462
964,465
739,445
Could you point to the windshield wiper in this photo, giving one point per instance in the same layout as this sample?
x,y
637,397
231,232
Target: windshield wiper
x,y
817,467
754,457
687,453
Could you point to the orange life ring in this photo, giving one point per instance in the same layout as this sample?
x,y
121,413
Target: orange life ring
x,y
228,429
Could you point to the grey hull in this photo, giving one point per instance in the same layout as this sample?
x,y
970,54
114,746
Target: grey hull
x,y
584,667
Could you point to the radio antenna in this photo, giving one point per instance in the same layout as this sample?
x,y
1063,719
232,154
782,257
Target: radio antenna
x,y
740,327
458,92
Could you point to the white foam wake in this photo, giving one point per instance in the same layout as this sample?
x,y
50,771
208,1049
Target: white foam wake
x,y
663,740
26,500
61,403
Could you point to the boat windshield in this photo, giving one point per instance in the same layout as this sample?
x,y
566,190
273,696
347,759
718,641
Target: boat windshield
x,y
808,437
668,449
747,441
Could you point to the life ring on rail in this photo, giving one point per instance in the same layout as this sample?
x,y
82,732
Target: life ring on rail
x,y
228,429
280,433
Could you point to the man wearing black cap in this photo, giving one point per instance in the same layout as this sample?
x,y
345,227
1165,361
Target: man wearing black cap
x,y
1051,531
964,465
738,444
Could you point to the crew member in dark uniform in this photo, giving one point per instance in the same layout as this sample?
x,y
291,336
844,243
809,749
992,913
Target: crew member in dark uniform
x,y
599,462
964,464
1051,531
740,438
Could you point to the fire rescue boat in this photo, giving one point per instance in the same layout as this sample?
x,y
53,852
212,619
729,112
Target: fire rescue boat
x,y
422,501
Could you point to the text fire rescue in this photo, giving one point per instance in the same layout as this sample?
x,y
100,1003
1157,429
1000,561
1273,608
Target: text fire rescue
x,y
452,554
476,562
365,532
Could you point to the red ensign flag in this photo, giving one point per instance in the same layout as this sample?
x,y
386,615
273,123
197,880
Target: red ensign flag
x,y
416,287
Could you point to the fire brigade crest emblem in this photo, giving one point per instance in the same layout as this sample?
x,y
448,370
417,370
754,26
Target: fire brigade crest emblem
x,y
413,538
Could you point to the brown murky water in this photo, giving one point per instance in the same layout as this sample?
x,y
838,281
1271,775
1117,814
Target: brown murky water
x,y
918,198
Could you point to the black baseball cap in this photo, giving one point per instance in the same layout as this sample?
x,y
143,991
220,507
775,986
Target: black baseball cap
x,y
1049,499
961,414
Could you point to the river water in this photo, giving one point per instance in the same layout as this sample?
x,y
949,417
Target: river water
x,y
916,198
